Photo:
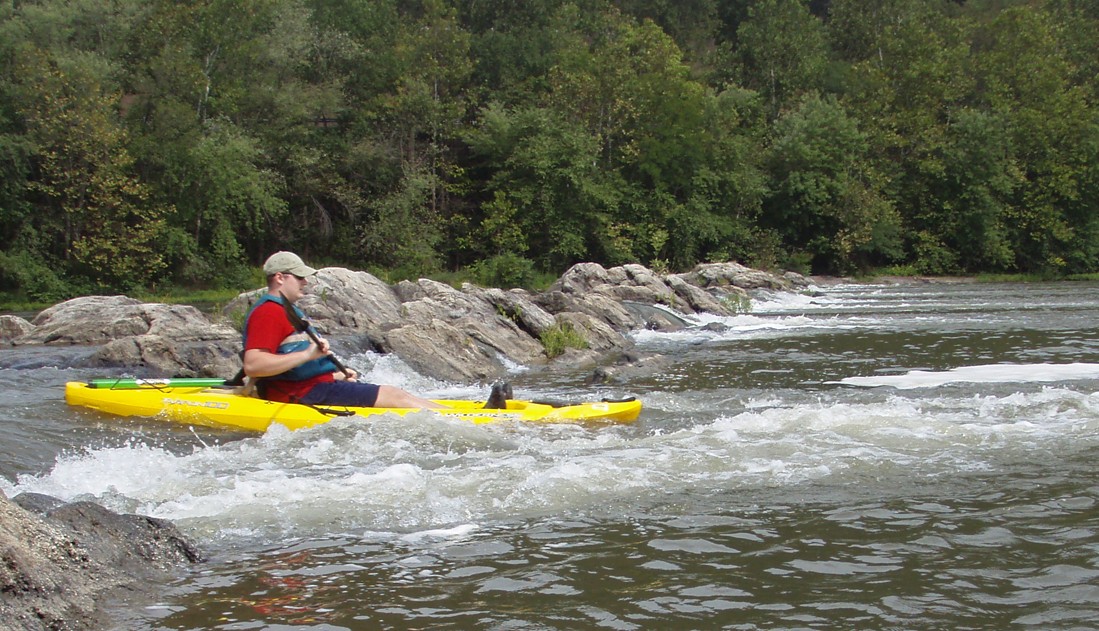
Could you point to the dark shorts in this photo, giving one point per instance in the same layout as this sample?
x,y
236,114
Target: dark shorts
x,y
350,393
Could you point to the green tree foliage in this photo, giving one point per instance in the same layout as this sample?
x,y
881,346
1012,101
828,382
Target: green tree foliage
x,y
545,176
230,193
692,24
152,141
975,193
825,200
781,51
681,175
910,80
85,192
422,117
632,94
1027,79
228,111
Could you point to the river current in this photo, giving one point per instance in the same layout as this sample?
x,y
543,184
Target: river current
x,y
893,456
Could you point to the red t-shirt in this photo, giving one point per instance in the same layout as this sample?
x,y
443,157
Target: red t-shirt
x,y
268,328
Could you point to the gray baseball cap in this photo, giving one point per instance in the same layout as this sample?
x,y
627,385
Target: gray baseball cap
x,y
287,263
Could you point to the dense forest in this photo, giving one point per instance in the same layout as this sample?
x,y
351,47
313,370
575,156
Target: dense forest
x,y
179,142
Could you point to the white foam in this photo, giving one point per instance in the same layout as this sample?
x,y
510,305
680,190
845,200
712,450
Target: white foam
x,y
390,369
784,302
457,532
425,478
994,373
737,327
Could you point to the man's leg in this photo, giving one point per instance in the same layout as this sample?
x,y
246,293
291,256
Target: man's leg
x,y
393,397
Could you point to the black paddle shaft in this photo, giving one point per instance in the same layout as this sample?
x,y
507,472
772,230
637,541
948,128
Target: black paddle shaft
x,y
302,326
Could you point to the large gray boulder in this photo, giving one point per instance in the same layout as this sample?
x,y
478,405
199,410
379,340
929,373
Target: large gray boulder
x,y
438,319
519,306
163,356
443,351
600,336
101,319
151,338
343,302
639,283
593,303
701,301
604,293
731,274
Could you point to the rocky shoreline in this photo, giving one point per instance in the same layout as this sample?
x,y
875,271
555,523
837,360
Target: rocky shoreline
x,y
463,335
59,559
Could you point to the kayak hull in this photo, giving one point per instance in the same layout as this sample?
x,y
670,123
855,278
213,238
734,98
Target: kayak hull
x,y
221,407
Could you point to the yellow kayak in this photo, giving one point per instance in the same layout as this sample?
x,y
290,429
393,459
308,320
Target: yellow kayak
x,y
220,406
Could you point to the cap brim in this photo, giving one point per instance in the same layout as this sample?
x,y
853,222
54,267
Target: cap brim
x,y
303,270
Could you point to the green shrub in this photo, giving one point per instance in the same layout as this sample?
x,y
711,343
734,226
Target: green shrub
x,y
32,278
560,337
737,303
504,271
933,257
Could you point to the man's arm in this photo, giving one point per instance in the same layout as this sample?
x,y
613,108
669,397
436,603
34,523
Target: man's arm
x,y
263,363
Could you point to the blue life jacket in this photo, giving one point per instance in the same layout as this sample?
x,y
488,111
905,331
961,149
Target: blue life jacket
x,y
309,369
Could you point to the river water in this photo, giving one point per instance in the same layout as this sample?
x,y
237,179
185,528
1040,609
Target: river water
x,y
909,456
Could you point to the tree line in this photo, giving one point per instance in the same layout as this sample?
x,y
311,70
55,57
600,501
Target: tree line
x,y
179,142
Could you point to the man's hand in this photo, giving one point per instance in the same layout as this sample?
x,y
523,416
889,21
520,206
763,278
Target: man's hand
x,y
322,349
352,376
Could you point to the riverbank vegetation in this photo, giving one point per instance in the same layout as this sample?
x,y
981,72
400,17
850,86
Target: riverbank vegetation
x,y
157,143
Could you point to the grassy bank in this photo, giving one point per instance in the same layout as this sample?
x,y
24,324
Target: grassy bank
x,y
208,300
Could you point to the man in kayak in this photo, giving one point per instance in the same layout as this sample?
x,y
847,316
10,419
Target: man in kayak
x,y
293,367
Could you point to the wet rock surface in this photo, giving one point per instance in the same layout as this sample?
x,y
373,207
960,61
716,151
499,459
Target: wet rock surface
x,y
60,559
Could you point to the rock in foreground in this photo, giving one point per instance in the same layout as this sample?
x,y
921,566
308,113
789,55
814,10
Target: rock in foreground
x,y
59,560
